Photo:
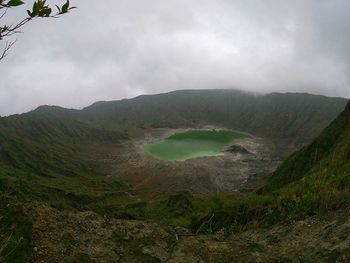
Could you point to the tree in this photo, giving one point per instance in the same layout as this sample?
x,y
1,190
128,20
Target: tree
x,y
39,10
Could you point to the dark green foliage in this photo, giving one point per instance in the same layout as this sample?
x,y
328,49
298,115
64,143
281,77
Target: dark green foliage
x,y
329,153
81,258
15,3
179,204
42,143
135,210
15,233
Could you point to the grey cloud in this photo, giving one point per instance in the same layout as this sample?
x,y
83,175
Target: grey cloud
x,y
125,48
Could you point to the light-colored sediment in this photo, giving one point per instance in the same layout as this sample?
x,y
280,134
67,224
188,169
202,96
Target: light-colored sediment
x,y
232,171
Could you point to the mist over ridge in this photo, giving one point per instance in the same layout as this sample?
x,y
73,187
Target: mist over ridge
x,y
144,48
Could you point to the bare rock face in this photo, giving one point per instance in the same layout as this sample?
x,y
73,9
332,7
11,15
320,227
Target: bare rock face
x,y
237,149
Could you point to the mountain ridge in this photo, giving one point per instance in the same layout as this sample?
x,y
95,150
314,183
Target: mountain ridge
x,y
54,161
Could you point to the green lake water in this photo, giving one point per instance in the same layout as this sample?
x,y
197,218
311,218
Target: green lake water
x,y
192,144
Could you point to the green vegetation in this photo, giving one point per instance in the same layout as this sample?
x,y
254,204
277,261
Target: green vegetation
x,y
192,144
15,234
46,159
47,156
313,181
285,118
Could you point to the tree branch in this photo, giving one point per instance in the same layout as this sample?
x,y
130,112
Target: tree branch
x,y
14,29
39,10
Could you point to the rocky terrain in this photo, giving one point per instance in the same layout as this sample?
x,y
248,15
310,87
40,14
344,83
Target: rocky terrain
x,y
235,170
88,237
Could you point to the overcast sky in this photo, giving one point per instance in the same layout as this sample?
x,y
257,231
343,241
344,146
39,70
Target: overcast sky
x,y
114,49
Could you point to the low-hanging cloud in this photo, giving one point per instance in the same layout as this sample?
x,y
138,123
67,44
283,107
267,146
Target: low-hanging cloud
x,y
122,48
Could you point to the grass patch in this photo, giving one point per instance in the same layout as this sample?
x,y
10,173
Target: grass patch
x,y
15,233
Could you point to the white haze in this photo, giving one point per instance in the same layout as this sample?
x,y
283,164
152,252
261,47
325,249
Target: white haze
x,y
114,49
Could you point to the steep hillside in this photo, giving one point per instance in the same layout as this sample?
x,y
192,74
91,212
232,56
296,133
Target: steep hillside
x,y
293,119
326,159
49,151
45,139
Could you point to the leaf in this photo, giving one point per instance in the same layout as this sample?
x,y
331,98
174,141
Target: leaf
x,y
15,3
35,11
45,12
40,4
65,7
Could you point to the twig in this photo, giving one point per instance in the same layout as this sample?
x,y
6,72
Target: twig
x,y
14,248
4,245
8,46
205,222
1,16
